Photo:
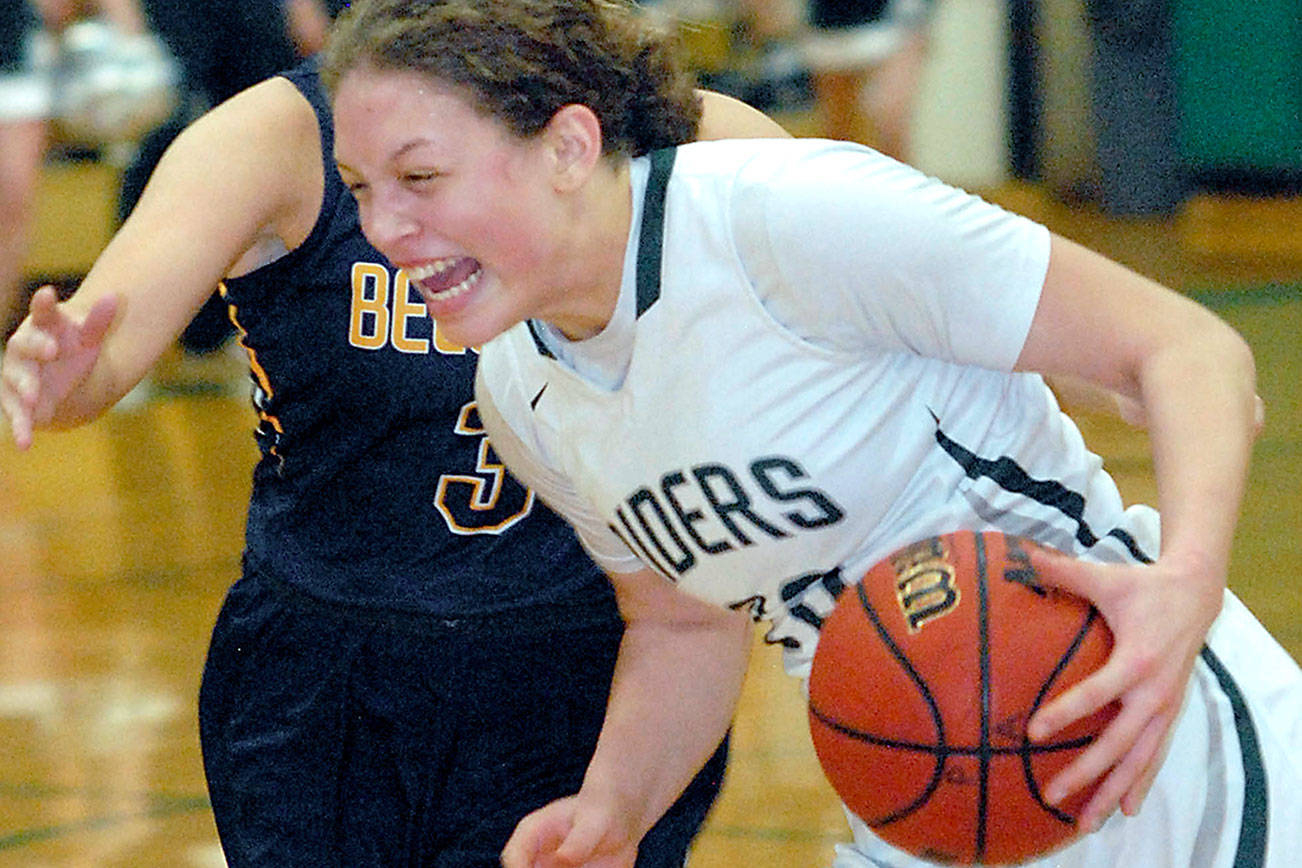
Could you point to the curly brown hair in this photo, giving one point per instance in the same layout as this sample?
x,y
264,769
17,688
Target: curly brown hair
x,y
522,60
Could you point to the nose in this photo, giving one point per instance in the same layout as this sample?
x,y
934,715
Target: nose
x,y
386,221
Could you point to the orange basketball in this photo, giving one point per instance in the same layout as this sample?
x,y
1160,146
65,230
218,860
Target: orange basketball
x,y
924,679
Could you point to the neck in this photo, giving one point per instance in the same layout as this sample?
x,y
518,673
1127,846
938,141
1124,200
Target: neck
x,y
603,215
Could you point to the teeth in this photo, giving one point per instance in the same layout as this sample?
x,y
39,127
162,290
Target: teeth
x,y
424,271
460,287
451,292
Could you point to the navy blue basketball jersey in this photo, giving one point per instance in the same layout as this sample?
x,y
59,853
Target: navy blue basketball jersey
x,y
376,485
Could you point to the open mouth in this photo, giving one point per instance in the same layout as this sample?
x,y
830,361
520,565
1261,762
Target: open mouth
x,y
445,279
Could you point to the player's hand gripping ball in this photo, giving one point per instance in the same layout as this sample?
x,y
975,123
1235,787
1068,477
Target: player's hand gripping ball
x,y
924,679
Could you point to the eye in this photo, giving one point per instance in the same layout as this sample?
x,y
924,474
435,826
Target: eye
x,y
419,179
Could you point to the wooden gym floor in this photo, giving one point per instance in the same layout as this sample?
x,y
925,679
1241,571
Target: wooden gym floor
x,y
118,541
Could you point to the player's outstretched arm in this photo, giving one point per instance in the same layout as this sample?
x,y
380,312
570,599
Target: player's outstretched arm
x,y
676,685
208,204
1194,378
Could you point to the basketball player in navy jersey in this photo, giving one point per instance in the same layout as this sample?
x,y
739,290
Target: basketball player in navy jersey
x,y
748,370
418,653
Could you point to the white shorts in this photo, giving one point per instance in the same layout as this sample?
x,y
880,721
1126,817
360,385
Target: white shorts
x,y
1237,743
27,93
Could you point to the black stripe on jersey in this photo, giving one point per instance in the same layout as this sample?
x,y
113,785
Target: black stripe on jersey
x,y
538,341
1010,476
650,243
1251,852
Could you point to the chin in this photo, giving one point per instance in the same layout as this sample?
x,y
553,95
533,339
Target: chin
x,y
469,334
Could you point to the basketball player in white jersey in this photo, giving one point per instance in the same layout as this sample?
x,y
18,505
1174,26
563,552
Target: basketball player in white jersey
x,y
749,370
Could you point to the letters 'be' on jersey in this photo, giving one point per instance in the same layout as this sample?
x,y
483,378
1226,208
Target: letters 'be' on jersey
x,y
376,484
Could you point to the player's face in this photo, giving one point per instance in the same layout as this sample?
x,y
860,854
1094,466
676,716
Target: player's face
x,y
451,197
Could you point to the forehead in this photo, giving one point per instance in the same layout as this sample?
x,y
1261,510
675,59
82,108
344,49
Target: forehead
x,y
378,112
367,88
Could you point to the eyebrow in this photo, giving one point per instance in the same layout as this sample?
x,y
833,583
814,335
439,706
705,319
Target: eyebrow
x,y
414,143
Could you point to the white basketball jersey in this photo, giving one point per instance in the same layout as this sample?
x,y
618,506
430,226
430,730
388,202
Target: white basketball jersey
x,y
810,366
756,463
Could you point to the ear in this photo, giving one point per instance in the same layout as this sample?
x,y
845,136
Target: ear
x,y
573,139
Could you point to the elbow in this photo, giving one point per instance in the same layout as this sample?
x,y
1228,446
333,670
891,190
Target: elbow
x,y
1239,356
1232,353
1207,355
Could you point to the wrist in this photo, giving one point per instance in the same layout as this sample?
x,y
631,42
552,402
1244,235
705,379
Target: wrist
x,y
629,801
1202,573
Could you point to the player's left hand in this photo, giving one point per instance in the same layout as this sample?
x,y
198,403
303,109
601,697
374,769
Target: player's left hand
x,y
1159,624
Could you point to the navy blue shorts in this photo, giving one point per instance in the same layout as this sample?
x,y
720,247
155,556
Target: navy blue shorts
x,y
333,736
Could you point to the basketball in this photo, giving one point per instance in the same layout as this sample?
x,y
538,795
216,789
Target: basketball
x,y
924,679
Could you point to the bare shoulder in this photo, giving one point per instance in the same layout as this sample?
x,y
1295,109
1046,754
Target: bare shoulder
x,y
275,106
246,178
275,131
724,117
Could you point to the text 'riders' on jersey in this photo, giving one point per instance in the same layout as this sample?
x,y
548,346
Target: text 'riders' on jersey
x,y
779,403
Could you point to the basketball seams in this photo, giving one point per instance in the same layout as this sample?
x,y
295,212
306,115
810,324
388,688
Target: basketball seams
x,y
881,740
1032,749
1028,771
983,655
940,750
982,758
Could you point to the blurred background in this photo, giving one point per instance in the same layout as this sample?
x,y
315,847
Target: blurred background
x,y
1165,133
